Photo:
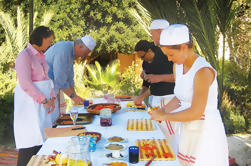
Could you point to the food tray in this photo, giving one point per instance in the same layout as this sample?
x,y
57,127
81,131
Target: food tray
x,y
95,108
140,125
159,147
132,105
83,118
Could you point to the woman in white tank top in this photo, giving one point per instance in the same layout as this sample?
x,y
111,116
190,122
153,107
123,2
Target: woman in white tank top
x,y
203,140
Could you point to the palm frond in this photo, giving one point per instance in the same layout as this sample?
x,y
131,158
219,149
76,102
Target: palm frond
x,y
8,25
142,15
202,24
166,9
92,72
21,33
47,16
225,14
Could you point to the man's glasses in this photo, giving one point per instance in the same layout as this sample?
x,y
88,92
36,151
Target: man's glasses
x,y
142,57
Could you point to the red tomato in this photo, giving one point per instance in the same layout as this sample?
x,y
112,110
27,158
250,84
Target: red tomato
x,y
150,154
167,155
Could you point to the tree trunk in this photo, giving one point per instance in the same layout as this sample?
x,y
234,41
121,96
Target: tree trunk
x,y
31,16
222,72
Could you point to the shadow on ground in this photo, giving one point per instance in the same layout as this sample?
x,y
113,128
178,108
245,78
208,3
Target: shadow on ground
x,y
240,148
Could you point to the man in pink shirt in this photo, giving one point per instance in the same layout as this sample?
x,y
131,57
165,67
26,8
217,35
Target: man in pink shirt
x,y
34,95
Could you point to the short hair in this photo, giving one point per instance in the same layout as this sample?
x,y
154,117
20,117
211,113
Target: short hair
x,y
39,33
143,45
80,42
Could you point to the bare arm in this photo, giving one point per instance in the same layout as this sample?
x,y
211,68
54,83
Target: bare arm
x,y
141,97
71,92
202,81
172,105
143,90
154,78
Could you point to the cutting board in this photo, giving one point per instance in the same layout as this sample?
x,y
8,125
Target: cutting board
x,y
39,161
140,125
83,118
62,132
162,147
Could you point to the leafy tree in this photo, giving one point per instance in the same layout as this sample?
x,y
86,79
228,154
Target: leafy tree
x,y
109,22
238,36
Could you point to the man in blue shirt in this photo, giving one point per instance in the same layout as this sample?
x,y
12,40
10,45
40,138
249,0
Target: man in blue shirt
x,y
60,59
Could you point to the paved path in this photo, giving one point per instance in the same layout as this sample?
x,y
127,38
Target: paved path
x,y
8,157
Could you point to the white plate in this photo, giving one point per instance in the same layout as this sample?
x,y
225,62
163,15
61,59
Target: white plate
x,y
115,143
124,141
123,156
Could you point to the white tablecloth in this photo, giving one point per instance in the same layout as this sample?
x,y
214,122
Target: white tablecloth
x,y
118,128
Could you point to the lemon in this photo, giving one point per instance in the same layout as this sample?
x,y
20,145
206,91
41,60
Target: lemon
x,y
78,163
61,159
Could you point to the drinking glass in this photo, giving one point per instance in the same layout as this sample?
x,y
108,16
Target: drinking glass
x,y
74,116
78,159
133,154
91,96
86,103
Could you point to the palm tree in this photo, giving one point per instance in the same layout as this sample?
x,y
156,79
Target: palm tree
x,y
31,16
16,34
225,15
198,15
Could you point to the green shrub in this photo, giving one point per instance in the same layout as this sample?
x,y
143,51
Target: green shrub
x,y
233,120
8,82
103,79
237,86
130,81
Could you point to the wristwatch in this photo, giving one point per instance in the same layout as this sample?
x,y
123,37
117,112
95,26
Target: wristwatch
x,y
45,101
72,95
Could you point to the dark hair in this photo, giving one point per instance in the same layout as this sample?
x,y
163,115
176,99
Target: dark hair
x,y
143,45
39,33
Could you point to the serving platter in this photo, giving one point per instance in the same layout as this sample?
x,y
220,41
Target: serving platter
x,y
92,134
95,108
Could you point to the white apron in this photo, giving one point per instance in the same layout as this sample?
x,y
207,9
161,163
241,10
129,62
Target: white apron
x,y
203,142
60,106
171,130
30,117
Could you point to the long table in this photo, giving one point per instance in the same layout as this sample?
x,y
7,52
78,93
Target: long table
x,y
118,128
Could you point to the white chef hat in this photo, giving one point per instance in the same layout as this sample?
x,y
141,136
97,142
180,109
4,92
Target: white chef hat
x,y
89,42
174,35
159,24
